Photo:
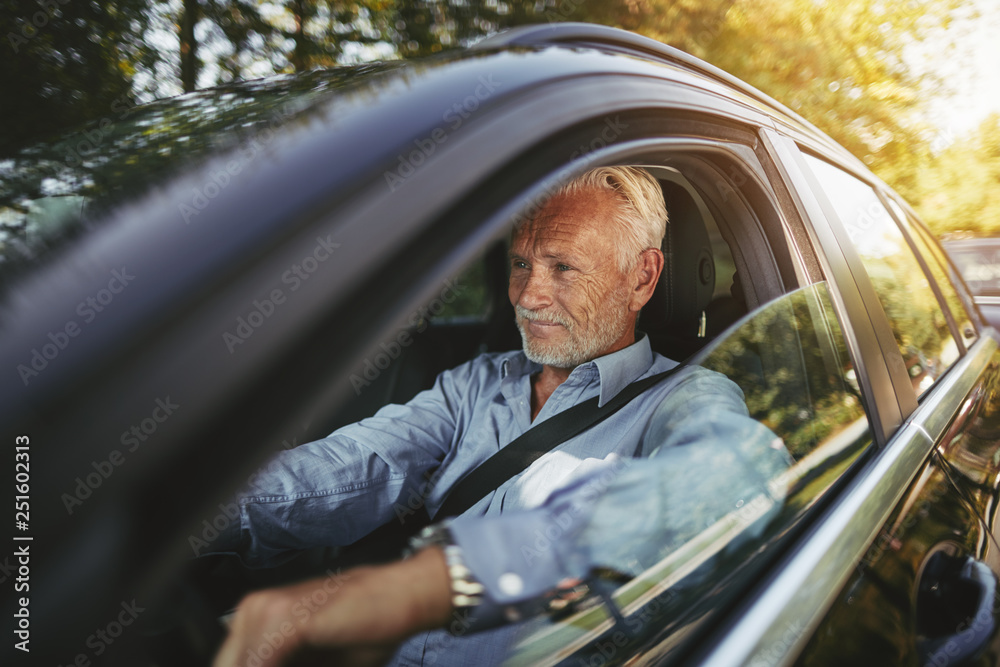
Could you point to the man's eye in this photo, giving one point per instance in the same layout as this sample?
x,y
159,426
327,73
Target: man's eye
x,y
563,267
518,264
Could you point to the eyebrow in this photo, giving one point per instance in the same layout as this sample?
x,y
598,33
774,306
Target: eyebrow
x,y
561,258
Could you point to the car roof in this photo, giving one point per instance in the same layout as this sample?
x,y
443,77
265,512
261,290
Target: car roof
x,y
401,99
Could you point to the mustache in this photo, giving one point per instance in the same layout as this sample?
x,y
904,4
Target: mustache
x,y
525,314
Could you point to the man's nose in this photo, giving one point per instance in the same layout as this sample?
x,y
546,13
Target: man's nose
x,y
537,291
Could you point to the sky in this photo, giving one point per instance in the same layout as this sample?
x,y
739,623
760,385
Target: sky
x,y
971,69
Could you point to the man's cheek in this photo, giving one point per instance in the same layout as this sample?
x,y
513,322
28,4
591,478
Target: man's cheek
x,y
592,295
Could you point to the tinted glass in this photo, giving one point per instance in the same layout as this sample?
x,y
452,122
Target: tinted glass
x,y
918,322
979,262
469,299
942,271
721,520
55,191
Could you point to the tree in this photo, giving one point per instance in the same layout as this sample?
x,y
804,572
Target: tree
x,y
66,62
840,64
959,189
190,13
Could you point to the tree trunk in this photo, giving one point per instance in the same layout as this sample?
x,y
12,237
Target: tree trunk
x,y
300,58
189,46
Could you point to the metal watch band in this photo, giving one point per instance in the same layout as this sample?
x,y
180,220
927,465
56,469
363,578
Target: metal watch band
x,y
466,590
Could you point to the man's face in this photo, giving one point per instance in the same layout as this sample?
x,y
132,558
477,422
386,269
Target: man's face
x,y
570,298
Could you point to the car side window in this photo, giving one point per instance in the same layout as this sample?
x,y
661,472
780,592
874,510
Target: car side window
x,y
979,262
470,301
726,503
918,320
943,273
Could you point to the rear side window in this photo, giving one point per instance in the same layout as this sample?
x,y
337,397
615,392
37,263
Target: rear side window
x,y
918,320
942,271
979,262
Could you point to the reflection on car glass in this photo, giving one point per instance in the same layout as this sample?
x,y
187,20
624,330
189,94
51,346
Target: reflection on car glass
x,y
49,191
723,506
915,315
979,262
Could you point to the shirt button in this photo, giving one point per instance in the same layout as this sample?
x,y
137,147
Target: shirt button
x,y
510,584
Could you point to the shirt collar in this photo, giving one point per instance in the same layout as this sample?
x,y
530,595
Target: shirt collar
x,y
615,371
621,368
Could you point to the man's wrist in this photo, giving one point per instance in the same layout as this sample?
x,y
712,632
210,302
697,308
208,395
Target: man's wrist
x,y
466,590
431,600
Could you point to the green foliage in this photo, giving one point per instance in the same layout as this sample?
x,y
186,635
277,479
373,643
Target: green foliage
x,y
62,63
959,189
92,169
840,64
791,362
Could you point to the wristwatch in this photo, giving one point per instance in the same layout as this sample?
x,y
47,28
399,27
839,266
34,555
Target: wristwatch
x,y
466,590
473,610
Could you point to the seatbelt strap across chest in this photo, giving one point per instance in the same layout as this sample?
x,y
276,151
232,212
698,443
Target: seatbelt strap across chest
x,y
537,441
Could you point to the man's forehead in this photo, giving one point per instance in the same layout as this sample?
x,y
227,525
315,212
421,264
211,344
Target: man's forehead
x,y
585,215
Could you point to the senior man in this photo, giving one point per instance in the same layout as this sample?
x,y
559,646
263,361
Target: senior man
x,y
581,269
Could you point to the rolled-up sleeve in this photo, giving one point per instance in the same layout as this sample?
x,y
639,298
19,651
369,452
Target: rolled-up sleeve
x,y
333,491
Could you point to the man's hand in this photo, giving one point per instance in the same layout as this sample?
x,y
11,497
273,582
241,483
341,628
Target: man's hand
x,y
358,617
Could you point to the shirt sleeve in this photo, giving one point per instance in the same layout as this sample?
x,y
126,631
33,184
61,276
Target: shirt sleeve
x,y
706,459
333,491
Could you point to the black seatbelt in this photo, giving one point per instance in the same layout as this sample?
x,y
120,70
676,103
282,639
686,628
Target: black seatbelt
x,y
535,442
387,542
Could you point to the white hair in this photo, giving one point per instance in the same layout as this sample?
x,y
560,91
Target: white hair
x,y
641,221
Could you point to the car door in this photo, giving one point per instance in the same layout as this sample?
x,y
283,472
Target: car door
x,y
240,328
902,568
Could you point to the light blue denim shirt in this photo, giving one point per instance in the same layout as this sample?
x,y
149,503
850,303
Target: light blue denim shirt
x,y
333,491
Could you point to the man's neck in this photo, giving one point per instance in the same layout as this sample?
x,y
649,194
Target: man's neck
x,y
543,384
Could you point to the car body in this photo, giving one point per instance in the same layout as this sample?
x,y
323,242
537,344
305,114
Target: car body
x,y
978,259
159,350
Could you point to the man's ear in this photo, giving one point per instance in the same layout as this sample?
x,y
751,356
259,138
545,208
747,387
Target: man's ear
x,y
645,276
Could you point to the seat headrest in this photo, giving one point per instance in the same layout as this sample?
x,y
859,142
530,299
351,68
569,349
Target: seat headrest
x,y
688,280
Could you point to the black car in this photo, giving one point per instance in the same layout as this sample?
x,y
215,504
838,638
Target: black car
x,y
193,285
978,259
